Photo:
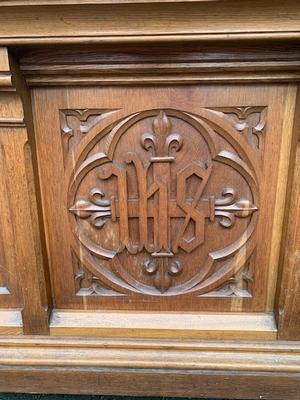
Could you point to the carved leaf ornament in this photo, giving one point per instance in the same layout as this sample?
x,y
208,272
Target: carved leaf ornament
x,y
159,244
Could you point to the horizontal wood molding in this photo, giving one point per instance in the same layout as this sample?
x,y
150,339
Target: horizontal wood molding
x,y
13,3
164,63
153,367
141,382
184,325
159,353
98,79
148,21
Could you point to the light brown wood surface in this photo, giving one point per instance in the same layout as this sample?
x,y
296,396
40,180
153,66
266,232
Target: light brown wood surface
x,y
20,244
289,285
161,63
237,326
245,281
175,368
151,22
149,197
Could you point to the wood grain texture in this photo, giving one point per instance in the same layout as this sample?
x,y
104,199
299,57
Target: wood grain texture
x,y
164,21
5,73
11,114
12,3
149,353
191,63
281,192
11,322
116,252
23,257
162,183
175,325
166,367
288,304
139,382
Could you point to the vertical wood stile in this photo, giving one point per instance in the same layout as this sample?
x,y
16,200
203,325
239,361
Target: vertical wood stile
x,y
15,132
288,304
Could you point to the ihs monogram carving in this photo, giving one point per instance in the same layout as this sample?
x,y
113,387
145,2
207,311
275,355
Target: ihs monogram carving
x,y
147,204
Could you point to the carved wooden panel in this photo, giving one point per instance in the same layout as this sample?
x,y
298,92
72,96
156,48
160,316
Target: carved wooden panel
x,y
156,199
148,194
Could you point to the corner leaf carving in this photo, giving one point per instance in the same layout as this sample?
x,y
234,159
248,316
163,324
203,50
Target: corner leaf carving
x,y
87,284
240,285
75,123
249,121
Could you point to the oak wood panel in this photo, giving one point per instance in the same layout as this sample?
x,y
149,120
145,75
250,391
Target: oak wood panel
x,y
81,278
142,22
288,140
20,233
69,121
11,114
288,304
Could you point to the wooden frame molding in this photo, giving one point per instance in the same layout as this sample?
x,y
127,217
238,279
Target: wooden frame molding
x,y
183,64
168,21
160,354
169,367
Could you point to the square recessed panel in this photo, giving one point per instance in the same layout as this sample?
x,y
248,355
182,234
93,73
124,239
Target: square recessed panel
x,y
161,198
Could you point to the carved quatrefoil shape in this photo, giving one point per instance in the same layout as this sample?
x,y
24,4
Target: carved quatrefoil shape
x,y
170,203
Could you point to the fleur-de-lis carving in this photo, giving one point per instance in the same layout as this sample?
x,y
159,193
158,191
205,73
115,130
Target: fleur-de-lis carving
x,y
94,209
162,276
161,142
228,207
